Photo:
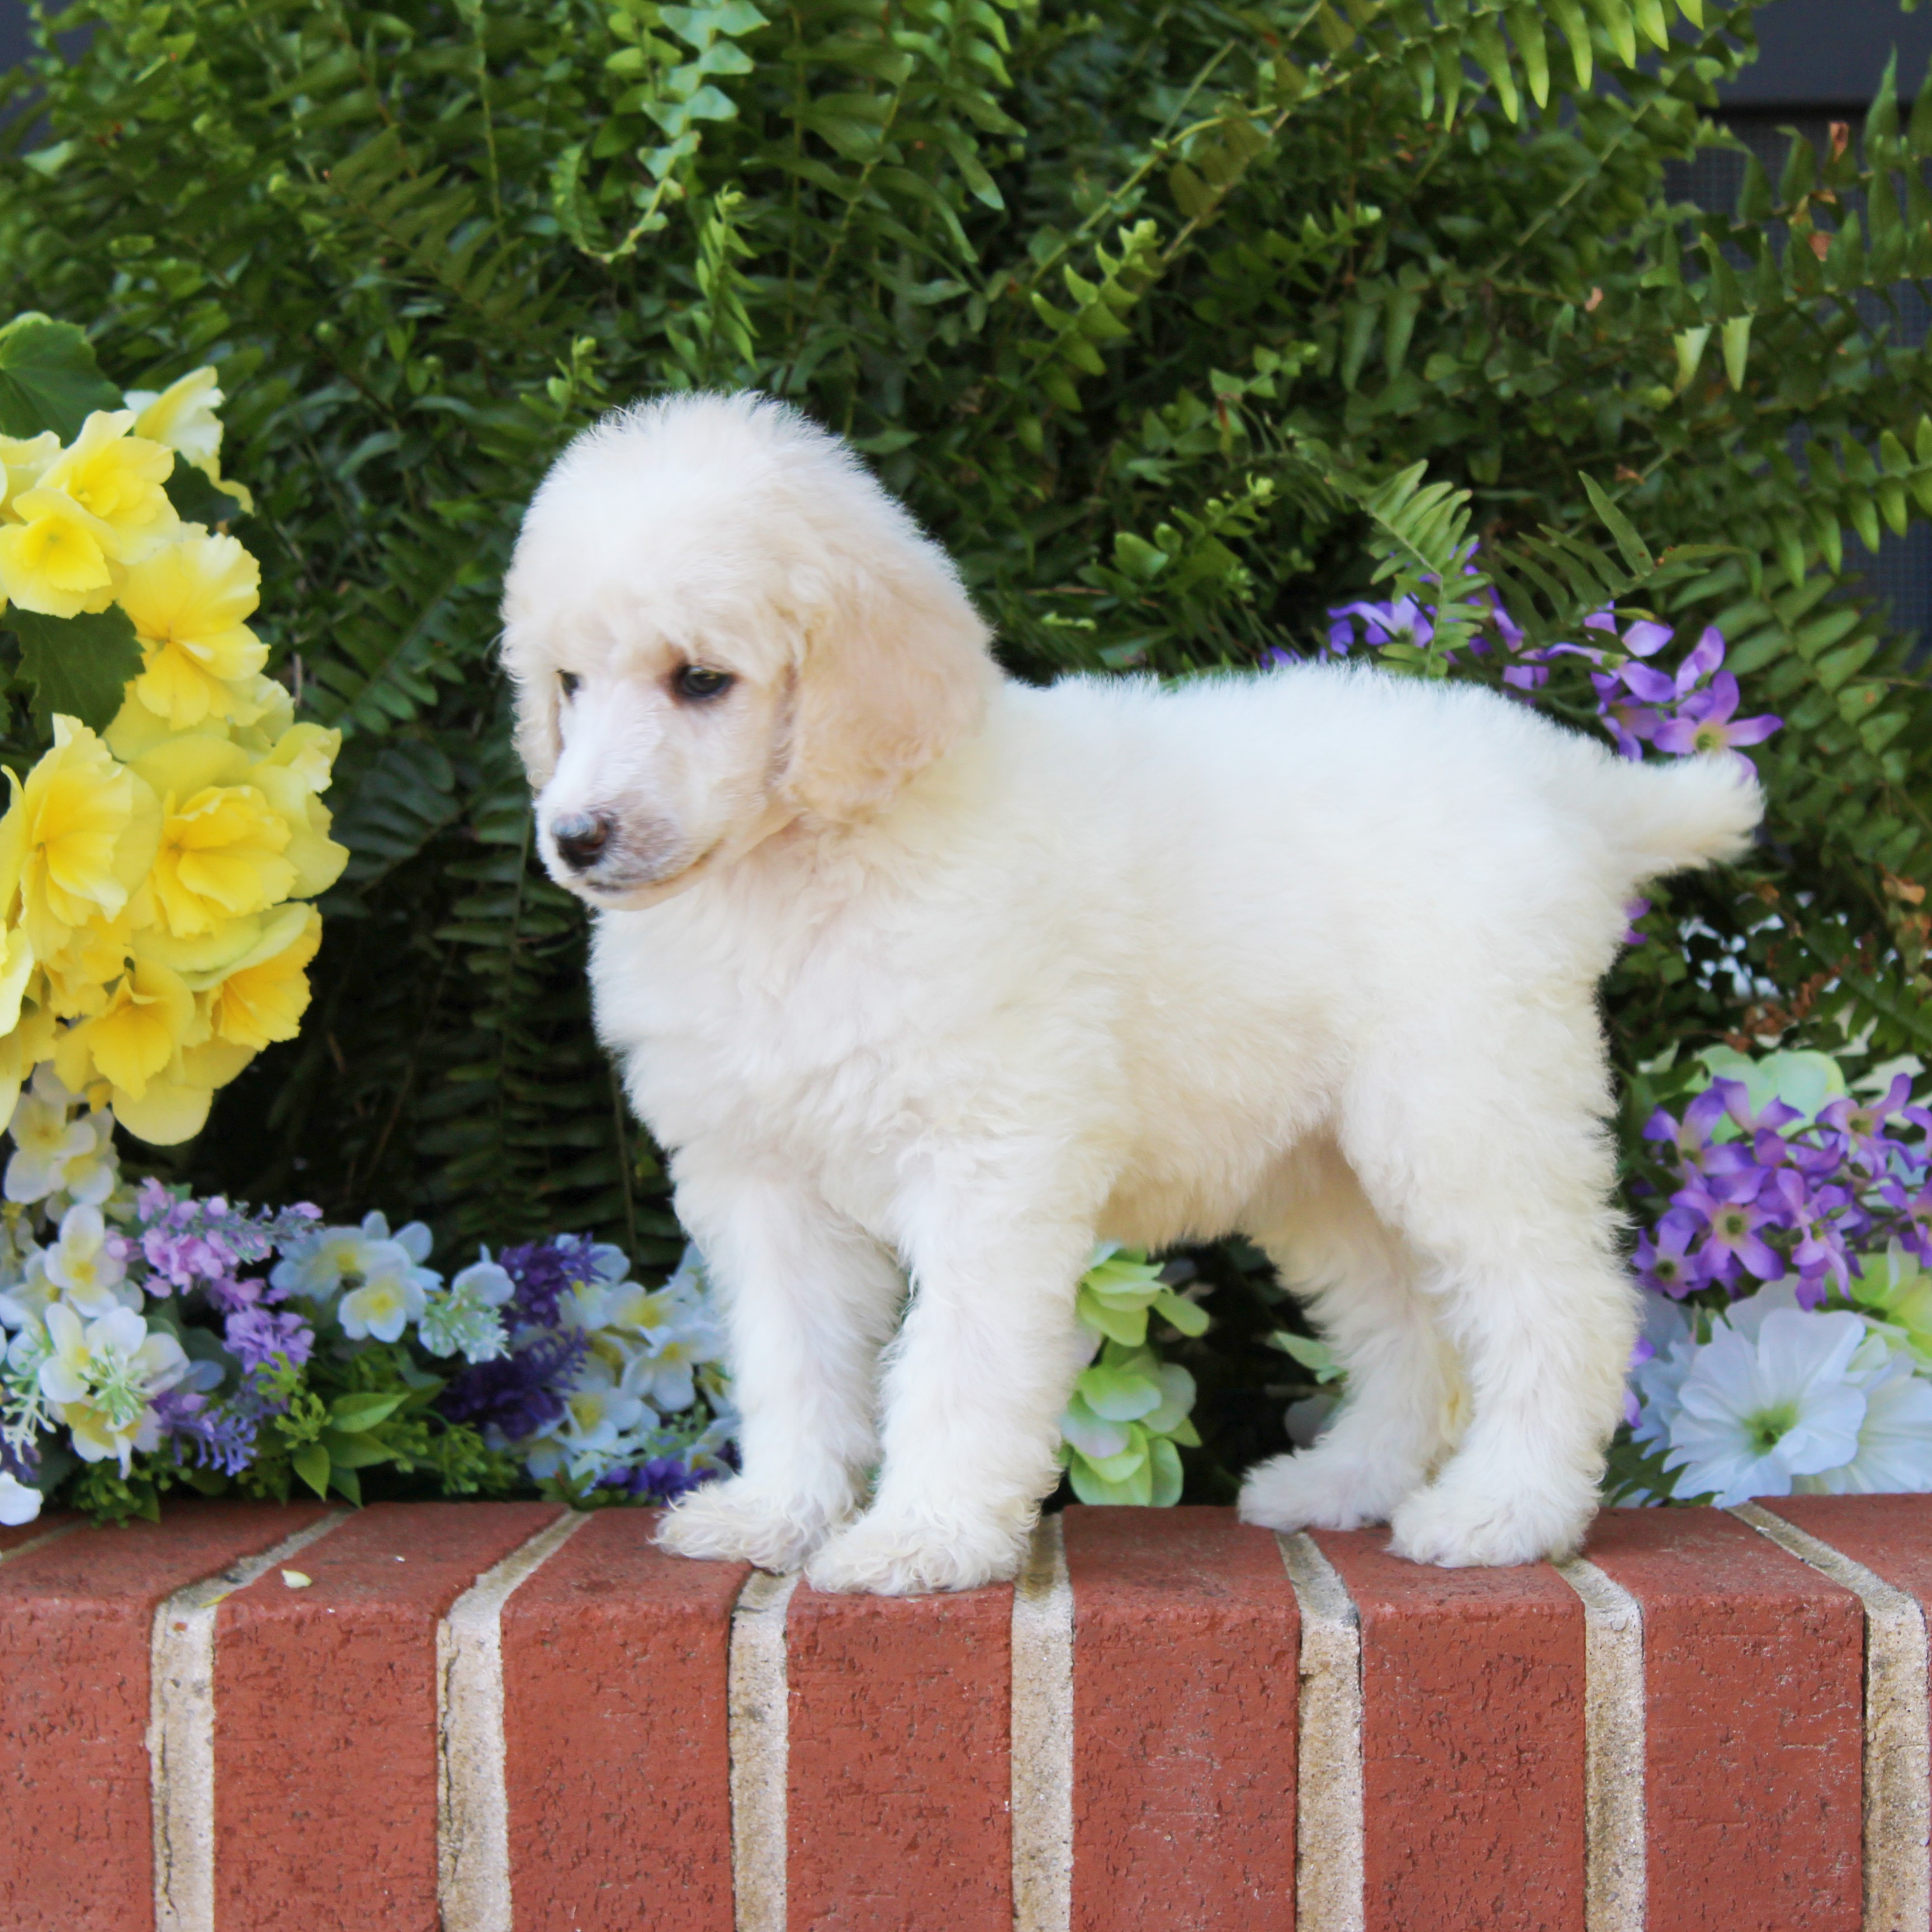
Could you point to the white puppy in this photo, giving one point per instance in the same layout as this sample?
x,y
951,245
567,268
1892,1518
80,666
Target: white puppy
x,y
918,973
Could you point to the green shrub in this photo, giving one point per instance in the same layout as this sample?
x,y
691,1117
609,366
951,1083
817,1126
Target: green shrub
x,y
1150,311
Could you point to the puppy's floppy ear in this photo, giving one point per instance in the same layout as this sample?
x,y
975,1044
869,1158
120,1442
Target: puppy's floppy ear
x,y
538,736
894,671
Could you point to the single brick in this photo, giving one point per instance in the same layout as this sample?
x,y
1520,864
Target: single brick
x,y
1186,1705
326,1784
76,1623
616,1662
900,1775
1753,1728
1472,1742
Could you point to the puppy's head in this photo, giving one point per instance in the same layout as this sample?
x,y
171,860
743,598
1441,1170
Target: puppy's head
x,y
718,623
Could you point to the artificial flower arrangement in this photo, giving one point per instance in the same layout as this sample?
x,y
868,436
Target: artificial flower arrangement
x,y
1787,1263
155,1340
157,862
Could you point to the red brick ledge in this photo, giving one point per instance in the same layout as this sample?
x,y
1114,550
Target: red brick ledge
x,y
476,1717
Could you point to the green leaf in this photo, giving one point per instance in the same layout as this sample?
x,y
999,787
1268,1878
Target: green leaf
x,y
79,666
1117,1395
48,378
1189,1317
196,499
353,1414
310,1462
354,1452
1121,1324
1623,532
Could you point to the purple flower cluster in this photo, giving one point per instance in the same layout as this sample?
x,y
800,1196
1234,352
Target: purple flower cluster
x,y
1693,709
1783,1194
658,1479
543,1272
222,1438
517,1393
191,1243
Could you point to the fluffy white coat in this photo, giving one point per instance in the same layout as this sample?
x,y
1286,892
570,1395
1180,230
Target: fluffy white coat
x,y
920,974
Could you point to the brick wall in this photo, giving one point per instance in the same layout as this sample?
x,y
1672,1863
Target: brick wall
x,y
477,1716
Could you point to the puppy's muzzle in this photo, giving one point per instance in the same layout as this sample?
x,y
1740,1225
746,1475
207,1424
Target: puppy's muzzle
x,y
581,837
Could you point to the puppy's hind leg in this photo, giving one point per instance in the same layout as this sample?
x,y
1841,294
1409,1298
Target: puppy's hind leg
x,y
1394,1422
1498,1170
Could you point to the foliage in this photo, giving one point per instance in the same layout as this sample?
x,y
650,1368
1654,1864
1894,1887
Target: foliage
x,y
155,866
151,1345
1178,325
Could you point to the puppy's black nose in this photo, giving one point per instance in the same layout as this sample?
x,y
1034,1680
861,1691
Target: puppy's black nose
x,y
580,837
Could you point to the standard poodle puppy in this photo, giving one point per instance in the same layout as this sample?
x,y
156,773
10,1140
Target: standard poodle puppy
x,y
927,979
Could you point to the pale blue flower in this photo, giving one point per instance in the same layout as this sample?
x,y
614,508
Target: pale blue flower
x,y
18,1503
1755,1411
1895,1440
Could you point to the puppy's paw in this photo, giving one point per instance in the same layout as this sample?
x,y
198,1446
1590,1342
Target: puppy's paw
x,y
1314,1488
1459,1524
742,1522
901,1553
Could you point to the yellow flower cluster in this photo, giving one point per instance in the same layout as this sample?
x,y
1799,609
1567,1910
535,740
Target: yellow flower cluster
x,y
153,934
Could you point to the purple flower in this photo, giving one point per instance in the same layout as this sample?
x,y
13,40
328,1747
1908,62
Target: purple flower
x,y
1634,911
1705,723
1663,1261
518,1393
1733,1237
259,1335
543,1272
222,1438
658,1479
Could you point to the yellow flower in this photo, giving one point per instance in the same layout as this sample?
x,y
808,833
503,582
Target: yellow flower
x,y
182,416
117,478
58,559
22,459
220,856
188,603
263,997
317,859
30,1042
89,834
135,1037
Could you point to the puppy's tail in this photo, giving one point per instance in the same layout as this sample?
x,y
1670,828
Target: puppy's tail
x,y
1669,817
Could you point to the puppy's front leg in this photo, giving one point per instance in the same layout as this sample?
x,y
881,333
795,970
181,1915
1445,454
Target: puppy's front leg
x,y
807,1300
974,1387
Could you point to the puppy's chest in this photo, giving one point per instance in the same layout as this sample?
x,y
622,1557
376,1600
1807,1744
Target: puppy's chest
x,y
829,1052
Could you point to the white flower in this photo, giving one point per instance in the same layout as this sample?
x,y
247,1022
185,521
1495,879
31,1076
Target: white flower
x,y
87,1264
46,1143
25,1301
462,1319
18,1503
601,1417
1755,1412
93,1177
101,1379
1895,1440
318,1265
385,1304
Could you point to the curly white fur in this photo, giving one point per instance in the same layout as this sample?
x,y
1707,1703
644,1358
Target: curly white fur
x,y
920,974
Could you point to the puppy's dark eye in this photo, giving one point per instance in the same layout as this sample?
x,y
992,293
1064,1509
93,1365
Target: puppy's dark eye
x,y
570,681
701,686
